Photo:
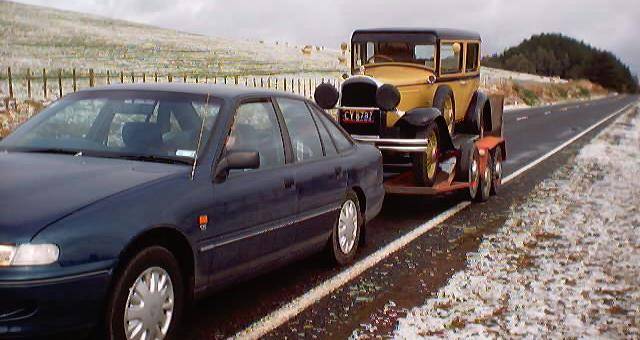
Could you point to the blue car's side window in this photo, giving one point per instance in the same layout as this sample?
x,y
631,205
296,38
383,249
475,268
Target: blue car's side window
x,y
305,139
255,128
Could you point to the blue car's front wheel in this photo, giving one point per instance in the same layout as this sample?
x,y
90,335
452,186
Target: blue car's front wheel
x,y
147,299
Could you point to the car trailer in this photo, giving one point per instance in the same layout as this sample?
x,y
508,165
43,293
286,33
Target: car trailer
x,y
475,165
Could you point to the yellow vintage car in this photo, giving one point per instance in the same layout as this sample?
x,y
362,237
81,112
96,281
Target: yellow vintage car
x,y
410,92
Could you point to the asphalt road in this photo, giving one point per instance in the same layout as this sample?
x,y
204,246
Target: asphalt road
x,y
418,269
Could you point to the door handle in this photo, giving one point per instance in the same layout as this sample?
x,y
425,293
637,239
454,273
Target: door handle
x,y
338,172
289,183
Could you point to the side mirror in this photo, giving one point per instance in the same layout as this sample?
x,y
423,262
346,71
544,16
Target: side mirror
x,y
236,160
388,97
326,96
345,76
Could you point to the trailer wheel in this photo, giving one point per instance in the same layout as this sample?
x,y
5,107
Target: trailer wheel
x,y
496,167
469,168
486,178
425,164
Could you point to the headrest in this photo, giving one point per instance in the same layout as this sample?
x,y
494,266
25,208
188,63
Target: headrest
x,y
142,136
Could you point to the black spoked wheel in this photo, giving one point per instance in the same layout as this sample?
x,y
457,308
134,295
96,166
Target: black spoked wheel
x,y
496,165
147,298
425,164
346,232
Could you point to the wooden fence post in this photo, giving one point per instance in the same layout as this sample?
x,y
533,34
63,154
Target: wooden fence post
x,y
121,77
255,84
269,82
285,84
276,83
225,80
133,79
10,82
75,82
44,82
169,78
299,86
236,79
108,78
59,83
184,78
29,83
155,76
144,77
215,79
196,79
92,80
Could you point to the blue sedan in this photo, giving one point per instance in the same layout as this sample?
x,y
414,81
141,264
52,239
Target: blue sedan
x,y
120,205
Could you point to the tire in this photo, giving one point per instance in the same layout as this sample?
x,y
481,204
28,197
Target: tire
x,y
345,240
496,167
425,164
468,169
486,178
443,101
153,260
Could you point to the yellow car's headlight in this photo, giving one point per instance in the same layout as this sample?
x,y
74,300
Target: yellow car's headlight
x,y
28,254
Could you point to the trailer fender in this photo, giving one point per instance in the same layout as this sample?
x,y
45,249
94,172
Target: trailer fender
x,y
423,117
478,114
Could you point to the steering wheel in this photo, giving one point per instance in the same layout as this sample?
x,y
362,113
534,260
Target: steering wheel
x,y
381,56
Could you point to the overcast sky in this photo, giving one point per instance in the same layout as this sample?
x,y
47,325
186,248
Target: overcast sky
x,y
608,24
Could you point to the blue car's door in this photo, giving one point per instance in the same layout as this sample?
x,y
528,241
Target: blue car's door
x,y
252,210
319,174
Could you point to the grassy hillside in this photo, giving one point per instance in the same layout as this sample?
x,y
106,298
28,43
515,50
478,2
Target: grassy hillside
x,y
558,55
36,37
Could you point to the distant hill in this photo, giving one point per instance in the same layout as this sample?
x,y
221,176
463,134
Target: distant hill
x,y
565,57
34,36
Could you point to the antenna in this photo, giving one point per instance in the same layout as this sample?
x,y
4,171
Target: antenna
x,y
195,158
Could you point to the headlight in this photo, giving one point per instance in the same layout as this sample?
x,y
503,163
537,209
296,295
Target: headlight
x,y
28,255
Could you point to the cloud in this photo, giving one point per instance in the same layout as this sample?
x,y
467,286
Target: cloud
x,y
612,25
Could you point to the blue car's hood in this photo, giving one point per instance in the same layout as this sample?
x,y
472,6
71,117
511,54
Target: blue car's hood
x,y
38,189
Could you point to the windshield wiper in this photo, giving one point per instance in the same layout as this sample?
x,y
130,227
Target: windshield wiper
x,y
52,150
154,158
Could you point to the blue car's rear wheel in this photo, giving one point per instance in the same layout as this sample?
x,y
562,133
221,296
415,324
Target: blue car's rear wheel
x,y
346,232
147,299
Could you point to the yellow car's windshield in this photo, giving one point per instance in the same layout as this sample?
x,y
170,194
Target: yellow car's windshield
x,y
376,52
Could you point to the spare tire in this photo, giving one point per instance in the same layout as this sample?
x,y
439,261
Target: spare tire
x,y
326,96
388,97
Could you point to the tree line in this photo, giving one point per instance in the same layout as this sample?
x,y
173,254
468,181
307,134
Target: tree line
x,y
556,55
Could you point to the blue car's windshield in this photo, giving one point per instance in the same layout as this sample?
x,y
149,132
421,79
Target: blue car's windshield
x,y
149,125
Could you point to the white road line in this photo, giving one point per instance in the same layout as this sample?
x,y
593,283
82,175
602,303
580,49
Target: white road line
x,y
283,314
522,118
562,146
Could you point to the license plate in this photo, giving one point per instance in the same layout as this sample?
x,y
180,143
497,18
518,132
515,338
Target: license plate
x,y
357,117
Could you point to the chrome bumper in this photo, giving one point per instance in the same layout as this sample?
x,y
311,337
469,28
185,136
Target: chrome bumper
x,y
394,144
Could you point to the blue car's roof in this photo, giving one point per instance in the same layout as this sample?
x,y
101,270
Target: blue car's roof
x,y
220,91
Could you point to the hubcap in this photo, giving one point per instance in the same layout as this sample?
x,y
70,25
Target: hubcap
x,y
449,114
347,226
486,183
431,164
497,171
149,306
474,175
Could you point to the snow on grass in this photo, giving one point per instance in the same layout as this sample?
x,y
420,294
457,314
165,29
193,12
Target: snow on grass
x,y
566,264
